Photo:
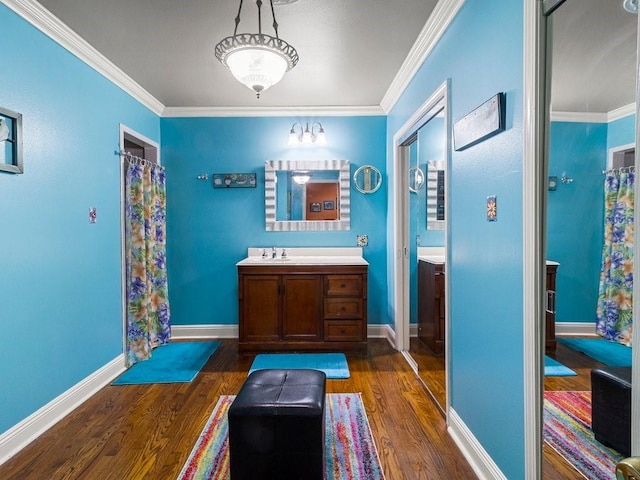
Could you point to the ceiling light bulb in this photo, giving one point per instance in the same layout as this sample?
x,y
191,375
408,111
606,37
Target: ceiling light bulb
x,y
306,136
320,137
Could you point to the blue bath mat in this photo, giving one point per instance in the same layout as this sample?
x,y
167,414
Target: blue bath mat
x,y
334,365
176,362
610,353
553,368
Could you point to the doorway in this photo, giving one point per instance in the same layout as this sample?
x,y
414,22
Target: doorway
x,y
136,145
411,236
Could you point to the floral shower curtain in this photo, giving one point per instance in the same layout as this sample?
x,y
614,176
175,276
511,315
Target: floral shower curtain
x,y
615,301
147,293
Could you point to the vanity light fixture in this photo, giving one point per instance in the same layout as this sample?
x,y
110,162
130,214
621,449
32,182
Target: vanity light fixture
x,y
257,60
307,136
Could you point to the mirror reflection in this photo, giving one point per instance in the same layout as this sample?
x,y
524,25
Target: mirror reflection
x,y
307,195
427,153
592,50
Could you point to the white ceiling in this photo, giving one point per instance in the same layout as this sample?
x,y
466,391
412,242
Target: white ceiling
x,y
350,50
594,56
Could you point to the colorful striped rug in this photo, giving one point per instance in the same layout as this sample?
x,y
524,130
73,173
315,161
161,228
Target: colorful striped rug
x,y
567,429
350,450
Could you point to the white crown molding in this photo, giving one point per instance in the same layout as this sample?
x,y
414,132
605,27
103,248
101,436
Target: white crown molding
x,y
587,117
478,458
270,112
23,433
50,25
442,15
579,117
622,112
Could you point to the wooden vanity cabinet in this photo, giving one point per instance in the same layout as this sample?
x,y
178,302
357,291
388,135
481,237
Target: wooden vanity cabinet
x,y
431,305
302,307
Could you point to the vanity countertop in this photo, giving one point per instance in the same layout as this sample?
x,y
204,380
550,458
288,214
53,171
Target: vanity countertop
x,y
440,259
435,259
304,256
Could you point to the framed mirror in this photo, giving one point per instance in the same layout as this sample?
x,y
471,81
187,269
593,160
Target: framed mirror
x,y
307,195
367,179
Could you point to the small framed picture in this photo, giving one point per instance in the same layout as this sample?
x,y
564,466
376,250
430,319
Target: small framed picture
x,y
10,141
329,205
315,207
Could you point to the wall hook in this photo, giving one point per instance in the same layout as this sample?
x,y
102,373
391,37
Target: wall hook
x,y
204,177
565,179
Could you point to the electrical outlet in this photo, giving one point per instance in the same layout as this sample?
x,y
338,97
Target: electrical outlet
x,y
93,215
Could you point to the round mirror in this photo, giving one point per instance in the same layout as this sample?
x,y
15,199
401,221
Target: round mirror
x,y
367,179
416,179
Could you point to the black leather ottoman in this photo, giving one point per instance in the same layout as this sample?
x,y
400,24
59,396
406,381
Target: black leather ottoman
x,y
276,426
611,407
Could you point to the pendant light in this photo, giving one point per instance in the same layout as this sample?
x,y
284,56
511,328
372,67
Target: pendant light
x,y
257,60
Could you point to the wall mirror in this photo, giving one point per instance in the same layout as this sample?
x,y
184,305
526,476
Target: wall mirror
x,y
367,179
307,195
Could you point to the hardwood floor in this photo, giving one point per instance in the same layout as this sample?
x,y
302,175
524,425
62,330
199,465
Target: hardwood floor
x,y
431,371
147,431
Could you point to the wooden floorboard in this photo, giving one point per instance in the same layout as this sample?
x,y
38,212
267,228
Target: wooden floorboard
x,y
431,371
147,431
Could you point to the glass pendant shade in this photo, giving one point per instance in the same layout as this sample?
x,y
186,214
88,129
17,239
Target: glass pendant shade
x,y
257,60
257,68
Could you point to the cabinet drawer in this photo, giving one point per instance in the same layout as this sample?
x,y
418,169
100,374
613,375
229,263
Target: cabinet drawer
x,y
343,331
336,285
342,308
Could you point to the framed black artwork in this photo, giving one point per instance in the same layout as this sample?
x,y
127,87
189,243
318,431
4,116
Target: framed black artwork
x,y
483,122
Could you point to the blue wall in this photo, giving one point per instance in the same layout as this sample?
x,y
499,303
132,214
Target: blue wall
x,y
575,215
209,230
486,258
60,276
575,210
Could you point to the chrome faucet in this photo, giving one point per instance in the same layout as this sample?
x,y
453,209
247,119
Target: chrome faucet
x,y
283,254
264,253
274,254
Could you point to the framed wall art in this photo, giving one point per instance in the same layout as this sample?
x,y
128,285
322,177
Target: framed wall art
x,y
10,141
483,122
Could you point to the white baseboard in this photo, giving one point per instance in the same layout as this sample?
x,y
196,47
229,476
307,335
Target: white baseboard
x,y
575,329
479,460
204,331
231,331
23,433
